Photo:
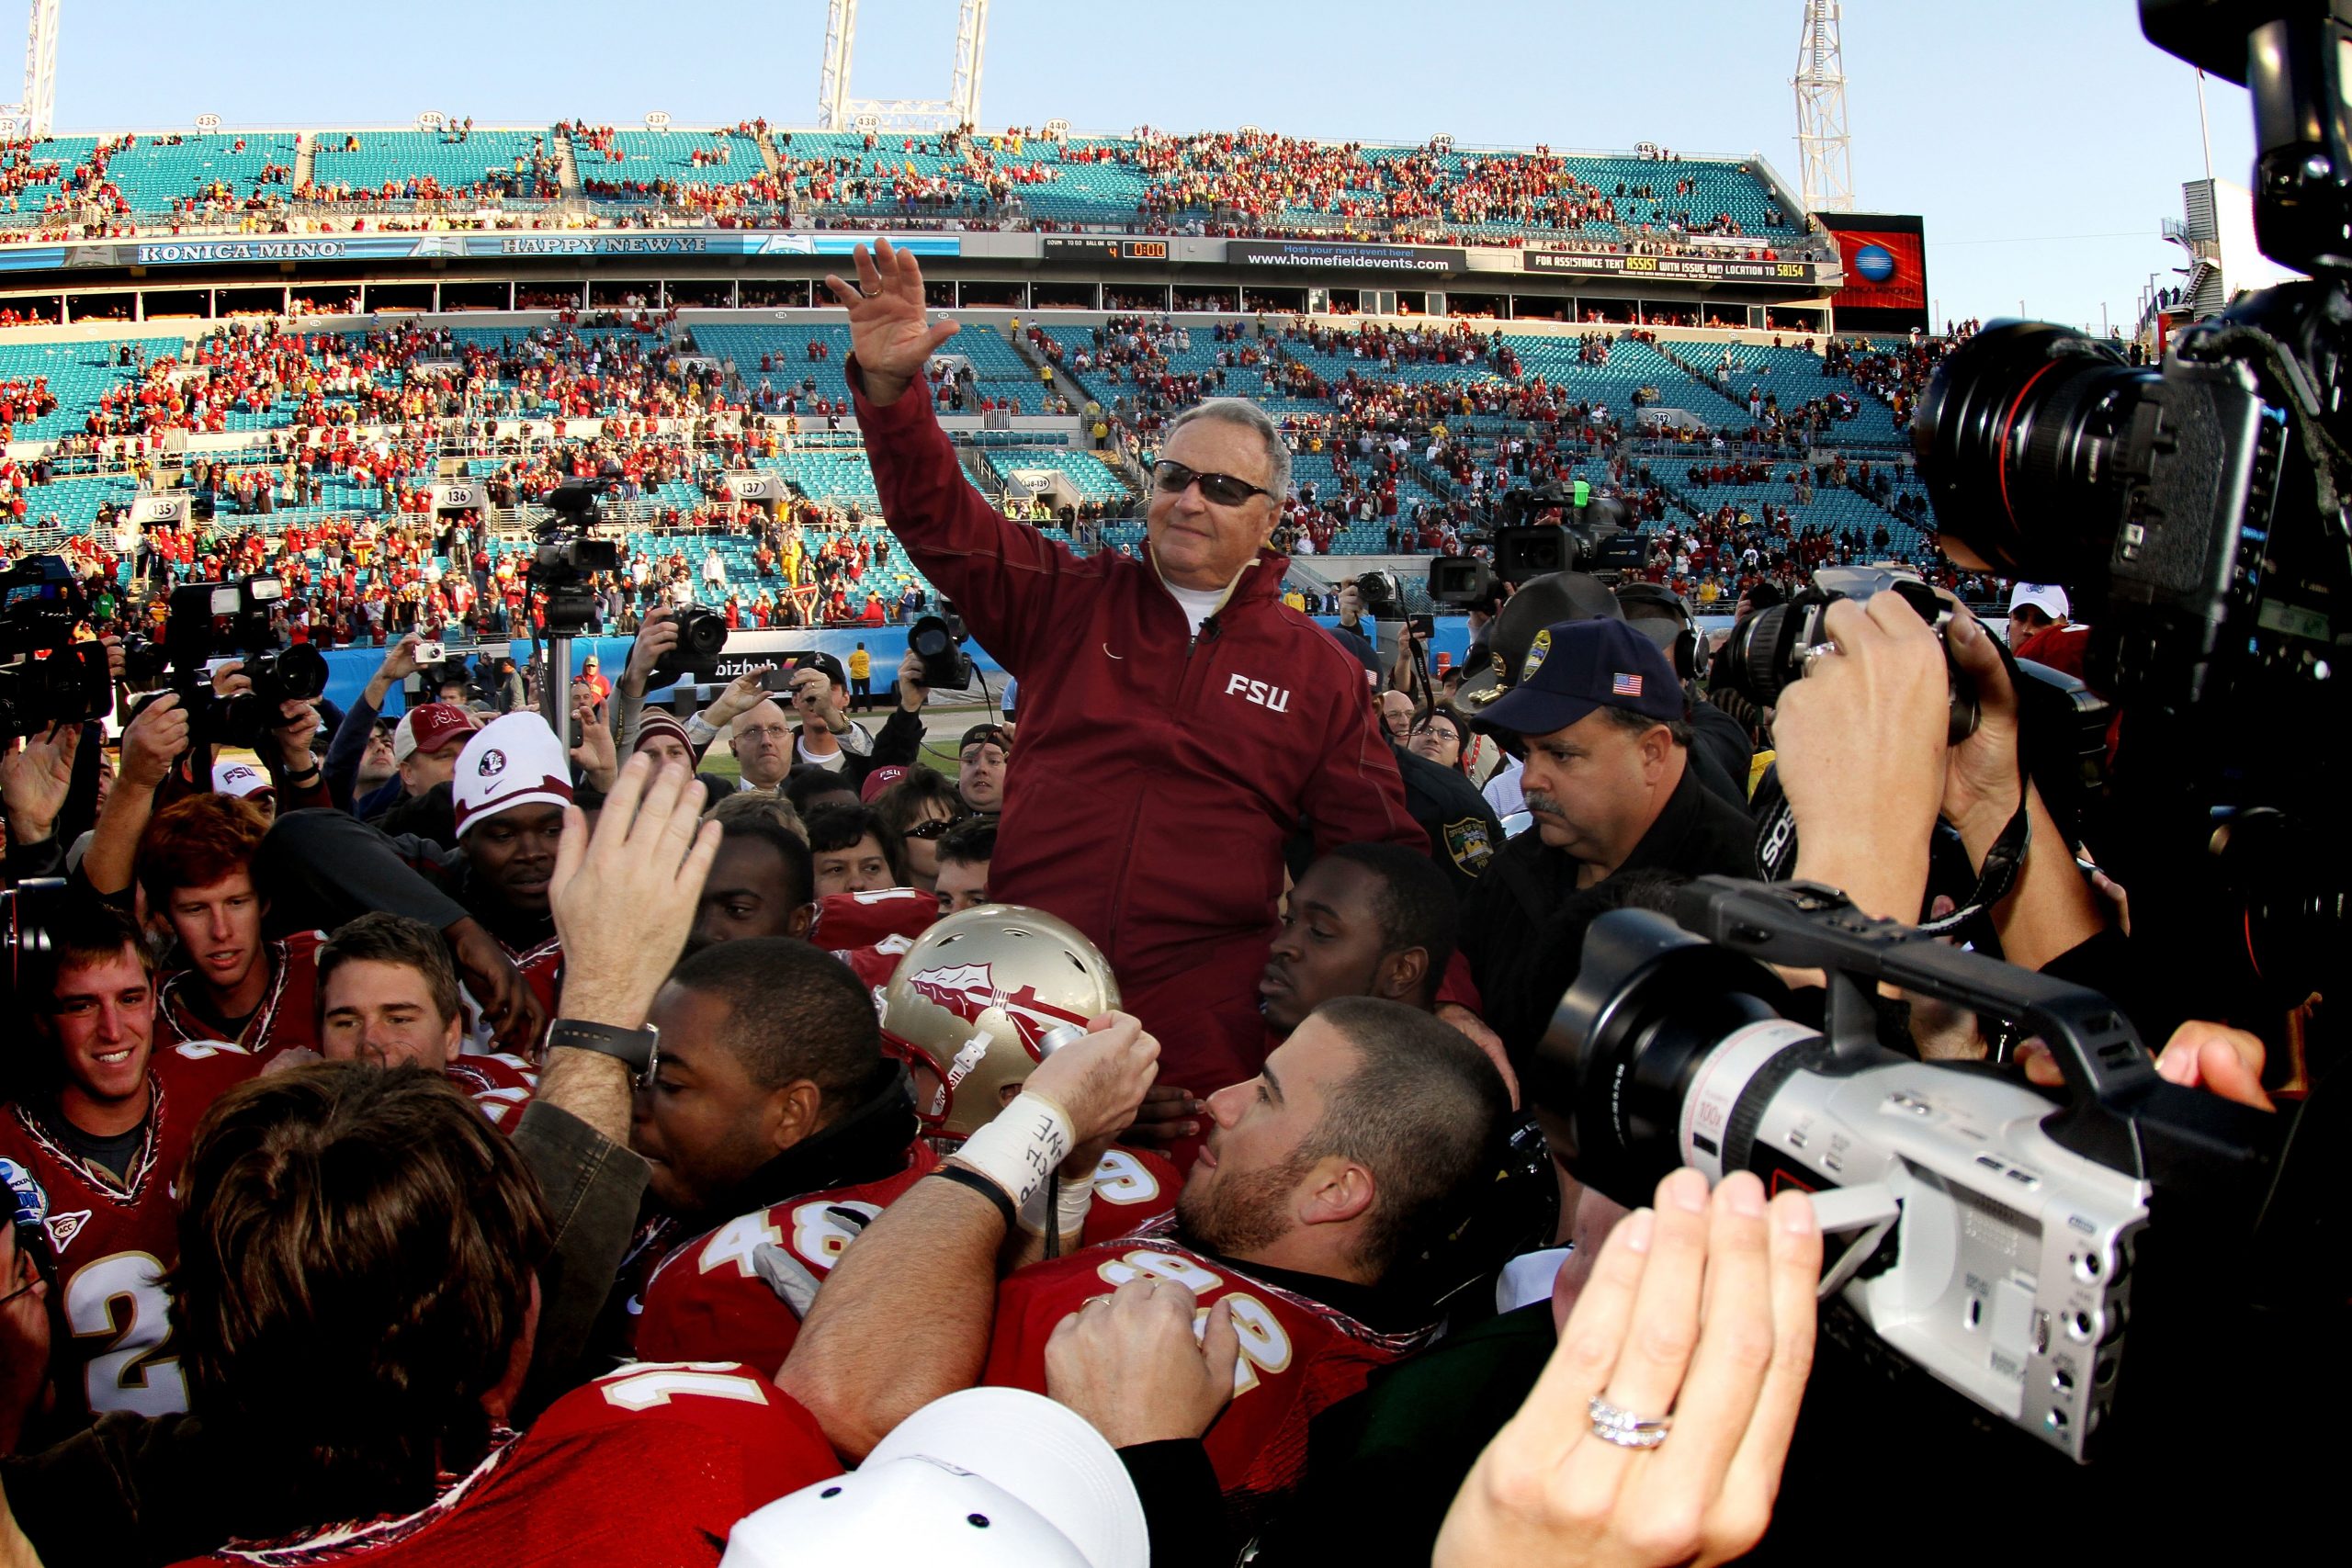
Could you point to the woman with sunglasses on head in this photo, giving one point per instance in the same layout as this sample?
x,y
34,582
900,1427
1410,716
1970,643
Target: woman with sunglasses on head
x,y
1190,721
920,807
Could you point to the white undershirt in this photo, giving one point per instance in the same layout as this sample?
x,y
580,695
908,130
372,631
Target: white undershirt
x,y
1199,604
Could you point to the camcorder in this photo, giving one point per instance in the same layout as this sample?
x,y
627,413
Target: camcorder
x,y
2008,1245
1592,536
566,560
46,677
206,621
938,641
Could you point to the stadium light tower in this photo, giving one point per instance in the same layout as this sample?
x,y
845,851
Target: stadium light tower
x,y
836,110
1825,153
32,117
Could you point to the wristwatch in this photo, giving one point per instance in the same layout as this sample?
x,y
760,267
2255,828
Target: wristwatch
x,y
638,1049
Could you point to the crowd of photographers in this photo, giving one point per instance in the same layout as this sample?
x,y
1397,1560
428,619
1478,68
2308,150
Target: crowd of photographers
x,y
725,1136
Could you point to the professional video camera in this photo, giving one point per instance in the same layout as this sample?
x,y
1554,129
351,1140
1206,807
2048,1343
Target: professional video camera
x,y
46,677
938,641
1592,535
228,620
566,560
1996,1239
2198,510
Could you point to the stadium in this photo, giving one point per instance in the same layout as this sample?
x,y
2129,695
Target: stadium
x,y
222,321
762,838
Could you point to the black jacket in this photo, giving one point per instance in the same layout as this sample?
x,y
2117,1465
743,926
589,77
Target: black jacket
x,y
1463,829
1524,922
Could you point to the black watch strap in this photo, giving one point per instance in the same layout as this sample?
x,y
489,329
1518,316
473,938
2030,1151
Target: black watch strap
x,y
636,1047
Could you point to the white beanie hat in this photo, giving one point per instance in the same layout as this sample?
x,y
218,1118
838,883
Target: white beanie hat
x,y
512,761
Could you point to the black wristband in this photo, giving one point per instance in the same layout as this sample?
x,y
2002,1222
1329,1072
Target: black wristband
x,y
985,1188
634,1048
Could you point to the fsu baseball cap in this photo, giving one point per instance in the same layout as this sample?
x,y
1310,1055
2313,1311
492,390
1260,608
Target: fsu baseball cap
x,y
431,729
1574,667
511,761
240,779
879,780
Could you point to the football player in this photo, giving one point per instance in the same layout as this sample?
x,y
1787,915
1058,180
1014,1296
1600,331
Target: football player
x,y
233,983
104,1134
1369,1132
774,1128
388,994
1365,920
358,1301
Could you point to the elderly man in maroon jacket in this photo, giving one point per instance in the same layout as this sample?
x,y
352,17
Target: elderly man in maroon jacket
x,y
1178,723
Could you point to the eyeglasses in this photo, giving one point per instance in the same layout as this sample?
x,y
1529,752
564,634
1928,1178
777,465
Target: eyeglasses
x,y
932,828
762,731
1225,490
1442,731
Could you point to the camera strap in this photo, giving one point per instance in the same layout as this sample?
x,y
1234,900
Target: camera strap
x,y
1996,877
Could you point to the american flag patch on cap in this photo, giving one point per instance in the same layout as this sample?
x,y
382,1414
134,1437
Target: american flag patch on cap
x,y
1623,685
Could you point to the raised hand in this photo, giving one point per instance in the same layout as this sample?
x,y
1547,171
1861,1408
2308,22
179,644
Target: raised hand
x,y
649,856
1700,1307
889,329
35,778
1100,1078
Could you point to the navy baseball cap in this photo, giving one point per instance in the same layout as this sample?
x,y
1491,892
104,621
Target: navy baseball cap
x,y
1574,667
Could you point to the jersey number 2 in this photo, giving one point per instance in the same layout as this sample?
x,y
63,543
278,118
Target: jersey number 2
x,y
124,1377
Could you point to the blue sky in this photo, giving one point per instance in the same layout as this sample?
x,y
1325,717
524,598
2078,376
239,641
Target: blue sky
x,y
2042,140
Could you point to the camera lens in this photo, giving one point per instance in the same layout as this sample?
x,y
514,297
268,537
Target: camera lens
x,y
702,633
2017,436
302,672
1627,1044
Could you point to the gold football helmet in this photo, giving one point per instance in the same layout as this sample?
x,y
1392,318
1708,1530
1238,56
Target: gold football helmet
x,y
980,998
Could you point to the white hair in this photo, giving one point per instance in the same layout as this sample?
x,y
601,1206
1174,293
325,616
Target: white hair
x,y
1250,417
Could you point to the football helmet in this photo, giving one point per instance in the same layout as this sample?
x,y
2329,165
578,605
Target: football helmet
x,y
980,998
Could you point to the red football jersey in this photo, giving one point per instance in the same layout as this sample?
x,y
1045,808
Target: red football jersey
x,y
708,1299
873,917
289,1014
1298,1355
650,1464
500,1084
542,968
1132,1187
110,1333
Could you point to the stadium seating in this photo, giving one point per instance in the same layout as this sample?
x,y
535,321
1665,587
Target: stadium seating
x,y
79,374
152,177
1088,476
649,155
397,156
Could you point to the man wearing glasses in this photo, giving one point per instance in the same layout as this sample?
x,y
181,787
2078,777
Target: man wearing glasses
x,y
1193,721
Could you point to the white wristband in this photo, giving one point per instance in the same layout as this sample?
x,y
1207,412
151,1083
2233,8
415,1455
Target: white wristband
x,y
1072,1201
1028,1140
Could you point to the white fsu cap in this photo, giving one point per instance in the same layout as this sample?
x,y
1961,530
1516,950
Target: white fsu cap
x,y
2046,597
510,761
985,1476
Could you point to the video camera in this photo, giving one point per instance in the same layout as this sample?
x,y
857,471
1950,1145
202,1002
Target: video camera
x,y
938,641
566,560
2198,510
227,620
1996,1239
46,677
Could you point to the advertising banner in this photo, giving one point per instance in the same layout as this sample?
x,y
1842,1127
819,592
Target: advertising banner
x,y
1711,268
1885,257
1323,255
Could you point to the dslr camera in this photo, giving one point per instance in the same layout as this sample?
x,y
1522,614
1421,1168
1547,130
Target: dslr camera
x,y
702,637
938,641
228,620
46,677
2198,509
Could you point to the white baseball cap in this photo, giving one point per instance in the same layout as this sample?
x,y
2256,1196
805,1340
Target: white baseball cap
x,y
987,1475
2046,597
512,761
240,779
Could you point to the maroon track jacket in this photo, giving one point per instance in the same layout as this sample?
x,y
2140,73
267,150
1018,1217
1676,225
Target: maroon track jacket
x,y
1157,773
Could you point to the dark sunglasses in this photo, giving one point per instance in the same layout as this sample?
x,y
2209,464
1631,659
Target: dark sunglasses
x,y
1225,490
934,827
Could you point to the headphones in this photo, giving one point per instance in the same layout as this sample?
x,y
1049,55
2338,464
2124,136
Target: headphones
x,y
1684,649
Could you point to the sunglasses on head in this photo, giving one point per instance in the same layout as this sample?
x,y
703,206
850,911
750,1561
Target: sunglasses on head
x,y
1225,490
932,828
